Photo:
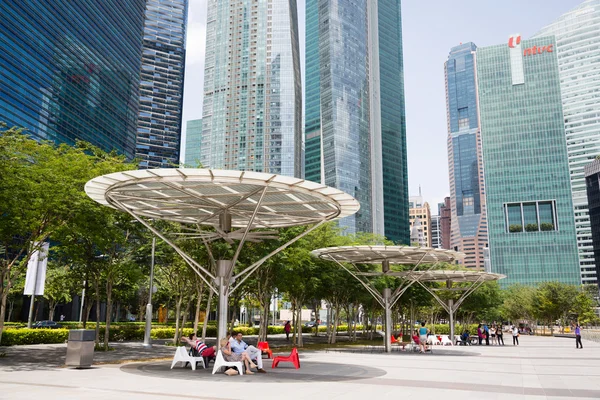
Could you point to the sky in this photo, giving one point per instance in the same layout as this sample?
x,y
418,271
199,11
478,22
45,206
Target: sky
x,y
430,29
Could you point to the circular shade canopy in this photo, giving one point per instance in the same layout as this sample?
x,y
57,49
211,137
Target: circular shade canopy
x,y
202,196
391,254
454,276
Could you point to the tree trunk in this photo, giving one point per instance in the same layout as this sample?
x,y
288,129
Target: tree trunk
x,y
178,302
294,323
51,308
210,295
336,320
97,287
329,316
198,304
185,315
87,309
264,324
108,312
299,319
10,310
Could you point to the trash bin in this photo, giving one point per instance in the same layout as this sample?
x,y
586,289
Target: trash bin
x,y
80,348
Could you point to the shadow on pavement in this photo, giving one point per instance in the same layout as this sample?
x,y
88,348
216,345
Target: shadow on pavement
x,y
308,372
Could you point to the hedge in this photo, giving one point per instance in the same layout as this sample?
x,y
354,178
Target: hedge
x,y
11,337
135,332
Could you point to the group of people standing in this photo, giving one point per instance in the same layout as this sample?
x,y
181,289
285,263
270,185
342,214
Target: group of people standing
x,y
494,332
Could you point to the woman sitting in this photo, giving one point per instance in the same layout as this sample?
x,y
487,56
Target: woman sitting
x,y
229,355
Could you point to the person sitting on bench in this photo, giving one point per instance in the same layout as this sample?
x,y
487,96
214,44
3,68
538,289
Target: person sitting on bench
x,y
238,346
200,349
464,338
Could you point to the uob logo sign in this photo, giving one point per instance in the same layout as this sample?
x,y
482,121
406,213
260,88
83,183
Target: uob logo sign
x,y
514,42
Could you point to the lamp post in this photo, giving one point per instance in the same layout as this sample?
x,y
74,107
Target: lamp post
x,y
147,339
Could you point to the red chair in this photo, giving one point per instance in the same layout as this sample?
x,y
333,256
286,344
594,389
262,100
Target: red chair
x,y
293,358
264,349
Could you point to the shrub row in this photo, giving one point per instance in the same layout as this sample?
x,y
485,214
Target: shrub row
x,y
126,332
11,337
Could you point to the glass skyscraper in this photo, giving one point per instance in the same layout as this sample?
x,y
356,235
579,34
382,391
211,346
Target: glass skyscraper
x,y
193,138
469,223
161,88
252,114
355,122
578,49
529,205
71,69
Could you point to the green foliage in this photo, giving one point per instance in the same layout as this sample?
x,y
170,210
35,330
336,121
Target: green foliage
x,y
515,228
552,301
518,303
547,226
12,337
531,227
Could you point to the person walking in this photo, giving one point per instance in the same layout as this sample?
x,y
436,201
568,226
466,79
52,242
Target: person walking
x,y
479,334
578,344
515,335
486,334
499,334
287,328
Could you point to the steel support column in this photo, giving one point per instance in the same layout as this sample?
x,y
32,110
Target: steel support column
x,y
387,294
451,316
222,281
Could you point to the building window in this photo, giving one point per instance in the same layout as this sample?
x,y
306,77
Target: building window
x,y
535,216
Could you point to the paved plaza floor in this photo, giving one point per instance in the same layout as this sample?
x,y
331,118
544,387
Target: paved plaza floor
x,y
540,368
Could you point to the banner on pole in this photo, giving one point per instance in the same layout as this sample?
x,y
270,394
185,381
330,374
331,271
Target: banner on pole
x,y
36,271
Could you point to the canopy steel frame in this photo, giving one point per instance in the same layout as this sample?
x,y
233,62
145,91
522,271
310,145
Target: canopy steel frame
x,y
385,255
473,279
231,203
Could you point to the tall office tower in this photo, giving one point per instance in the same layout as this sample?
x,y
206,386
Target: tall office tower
x,y
355,123
436,232
445,213
420,216
592,178
71,69
467,192
529,206
578,49
193,138
161,89
252,115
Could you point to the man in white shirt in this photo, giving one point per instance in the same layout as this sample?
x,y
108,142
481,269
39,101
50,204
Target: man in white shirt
x,y
238,346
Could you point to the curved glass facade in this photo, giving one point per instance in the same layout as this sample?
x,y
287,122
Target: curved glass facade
x,y
161,89
469,224
252,114
71,69
578,49
355,123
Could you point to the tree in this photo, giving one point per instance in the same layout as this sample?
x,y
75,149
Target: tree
x,y
59,286
584,304
552,302
518,303
41,184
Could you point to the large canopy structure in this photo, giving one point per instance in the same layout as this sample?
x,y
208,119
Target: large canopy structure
x,y
220,204
470,280
386,256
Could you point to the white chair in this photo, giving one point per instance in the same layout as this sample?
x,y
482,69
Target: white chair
x,y
220,363
446,341
413,346
433,340
181,355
